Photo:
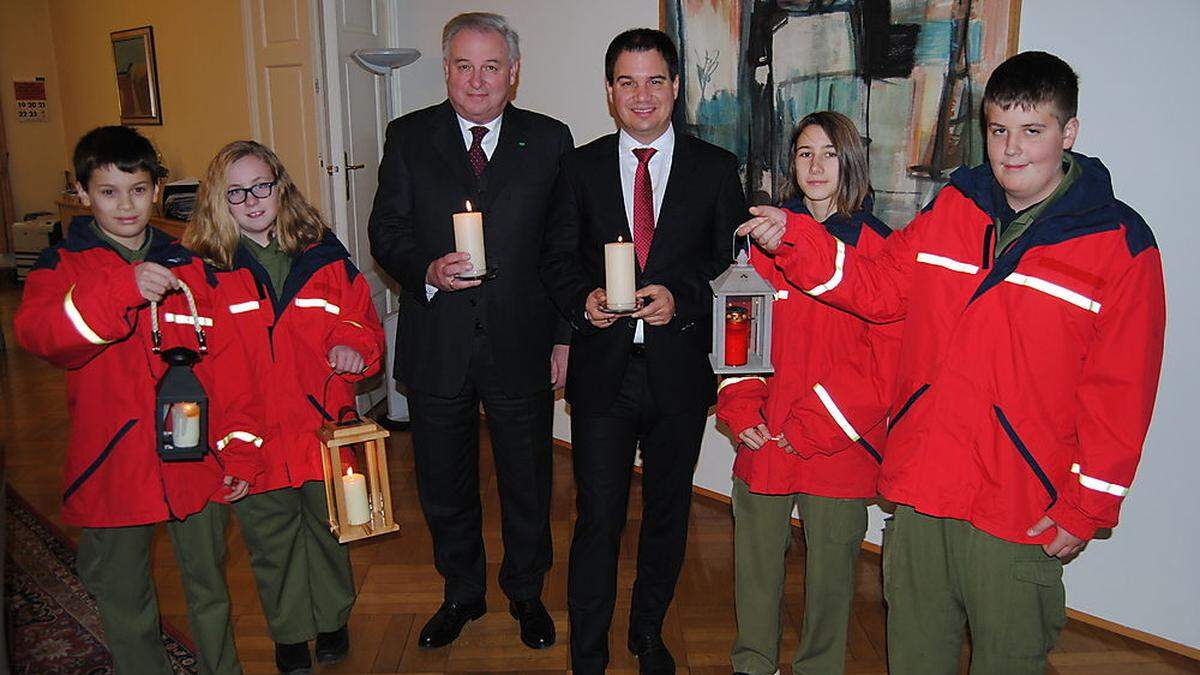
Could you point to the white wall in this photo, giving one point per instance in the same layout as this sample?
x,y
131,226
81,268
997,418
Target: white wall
x,y
1137,95
1137,104
562,53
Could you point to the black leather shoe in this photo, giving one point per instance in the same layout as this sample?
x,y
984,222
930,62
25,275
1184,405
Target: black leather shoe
x,y
293,658
653,657
445,625
333,647
537,628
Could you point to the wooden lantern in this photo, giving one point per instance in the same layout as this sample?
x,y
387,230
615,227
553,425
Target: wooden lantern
x,y
349,518
742,305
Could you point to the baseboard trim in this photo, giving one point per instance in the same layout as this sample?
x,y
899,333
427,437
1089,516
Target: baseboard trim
x,y
1135,634
1083,617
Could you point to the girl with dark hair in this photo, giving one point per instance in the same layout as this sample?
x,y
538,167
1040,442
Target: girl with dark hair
x,y
809,436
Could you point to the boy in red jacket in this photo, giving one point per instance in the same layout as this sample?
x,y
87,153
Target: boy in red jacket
x,y
1034,317
86,309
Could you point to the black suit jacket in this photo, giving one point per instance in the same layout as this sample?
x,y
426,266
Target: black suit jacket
x,y
693,243
424,178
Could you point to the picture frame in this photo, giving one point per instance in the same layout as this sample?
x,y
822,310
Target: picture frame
x,y
137,76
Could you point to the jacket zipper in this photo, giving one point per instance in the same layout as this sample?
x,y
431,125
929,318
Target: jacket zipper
x,y
1027,456
100,459
989,237
907,404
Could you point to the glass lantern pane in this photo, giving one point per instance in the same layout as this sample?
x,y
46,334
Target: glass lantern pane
x,y
356,484
184,424
738,322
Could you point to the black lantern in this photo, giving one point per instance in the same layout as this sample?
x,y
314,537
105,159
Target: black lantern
x,y
181,418
181,405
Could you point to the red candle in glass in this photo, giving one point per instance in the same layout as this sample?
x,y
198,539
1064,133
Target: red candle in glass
x,y
737,335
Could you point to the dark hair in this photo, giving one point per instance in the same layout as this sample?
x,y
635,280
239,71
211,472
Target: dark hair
x,y
854,178
1031,79
121,147
641,40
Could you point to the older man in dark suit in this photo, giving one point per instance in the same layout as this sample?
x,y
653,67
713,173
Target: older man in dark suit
x,y
644,379
465,340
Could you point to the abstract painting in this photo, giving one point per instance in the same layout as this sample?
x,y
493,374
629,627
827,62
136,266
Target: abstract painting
x,y
910,73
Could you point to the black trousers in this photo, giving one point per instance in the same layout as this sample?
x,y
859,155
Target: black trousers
x,y
445,433
603,448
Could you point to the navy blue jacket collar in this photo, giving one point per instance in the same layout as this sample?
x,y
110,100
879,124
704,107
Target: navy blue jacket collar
x,y
846,228
1087,197
326,251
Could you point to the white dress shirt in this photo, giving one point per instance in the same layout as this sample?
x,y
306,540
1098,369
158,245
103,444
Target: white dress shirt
x,y
490,139
660,170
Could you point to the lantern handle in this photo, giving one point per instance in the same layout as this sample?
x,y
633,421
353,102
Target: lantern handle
x,y
735,245
156,334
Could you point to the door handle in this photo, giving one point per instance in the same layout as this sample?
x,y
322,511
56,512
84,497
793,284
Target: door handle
x,y
349,167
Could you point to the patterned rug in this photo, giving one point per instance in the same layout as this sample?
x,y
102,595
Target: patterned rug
x,y
51,621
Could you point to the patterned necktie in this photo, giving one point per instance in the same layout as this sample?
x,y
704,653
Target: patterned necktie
x,y
475,154
643,206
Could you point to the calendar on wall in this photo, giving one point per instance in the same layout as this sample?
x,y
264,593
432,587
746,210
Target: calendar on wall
x,y
31,100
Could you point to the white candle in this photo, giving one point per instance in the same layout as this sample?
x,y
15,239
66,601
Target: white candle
x,y
354,487
185,425
618,275
468,238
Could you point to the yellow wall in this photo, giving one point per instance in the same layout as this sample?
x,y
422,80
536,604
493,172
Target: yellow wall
x,y
201,72
37,150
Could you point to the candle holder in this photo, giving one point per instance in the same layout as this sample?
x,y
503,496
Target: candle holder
x,y
742,305
343,488
638,304
486,276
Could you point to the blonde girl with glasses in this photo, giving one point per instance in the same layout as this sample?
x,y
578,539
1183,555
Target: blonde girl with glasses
x,y
318,335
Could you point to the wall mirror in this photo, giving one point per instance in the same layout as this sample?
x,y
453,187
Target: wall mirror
x,y
137,76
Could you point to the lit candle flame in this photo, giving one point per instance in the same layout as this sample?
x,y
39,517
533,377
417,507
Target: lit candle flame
x,y
619,239
349,471
468,206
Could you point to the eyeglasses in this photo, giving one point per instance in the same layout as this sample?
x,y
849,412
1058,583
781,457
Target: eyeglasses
x,y
259,190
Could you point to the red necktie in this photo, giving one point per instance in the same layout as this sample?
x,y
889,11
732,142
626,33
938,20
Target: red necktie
x,y
476,154
643,206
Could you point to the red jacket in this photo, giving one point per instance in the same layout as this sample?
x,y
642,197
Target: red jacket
x,y
1026,382
829,393
325,302
82,311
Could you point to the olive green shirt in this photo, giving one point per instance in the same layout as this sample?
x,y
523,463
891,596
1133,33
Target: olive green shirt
x,y
130,255
1011,230
274,260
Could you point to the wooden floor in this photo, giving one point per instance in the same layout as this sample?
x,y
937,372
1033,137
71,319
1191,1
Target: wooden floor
x,y
399,589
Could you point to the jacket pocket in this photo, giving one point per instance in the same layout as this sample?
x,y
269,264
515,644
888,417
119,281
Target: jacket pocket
x,y
100,459
1027,456
907,404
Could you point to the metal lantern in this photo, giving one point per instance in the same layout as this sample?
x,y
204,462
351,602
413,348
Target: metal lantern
x,y
181,423
181,405
360,505
742,302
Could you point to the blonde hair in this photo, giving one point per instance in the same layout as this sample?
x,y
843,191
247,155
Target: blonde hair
x,y
213,234
854,181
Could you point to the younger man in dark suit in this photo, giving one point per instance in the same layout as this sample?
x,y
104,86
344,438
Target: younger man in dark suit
x,y
466,341
640,380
